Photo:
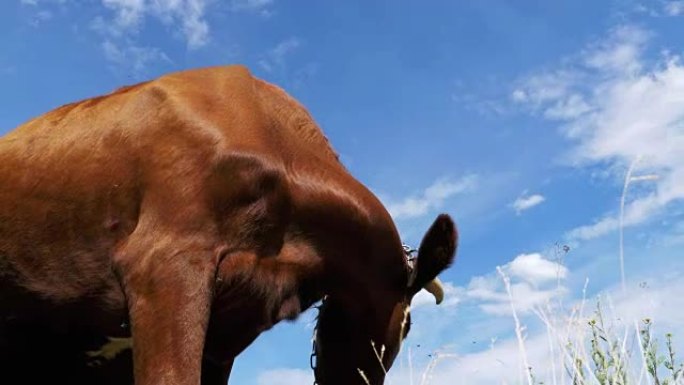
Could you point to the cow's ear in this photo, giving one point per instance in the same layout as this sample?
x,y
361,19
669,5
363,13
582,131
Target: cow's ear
x,y
436,253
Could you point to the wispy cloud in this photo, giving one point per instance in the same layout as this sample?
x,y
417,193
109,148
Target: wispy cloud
x,y
119,23
275,57
526,202
661,8
40,12
431,198
131,57
674,8
630,110
637,212
262,7
41,17
619,54
128,14
188,16
544,90
120,26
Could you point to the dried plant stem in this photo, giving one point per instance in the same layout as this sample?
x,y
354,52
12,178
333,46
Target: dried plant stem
x,y
518,327
628,178
363,376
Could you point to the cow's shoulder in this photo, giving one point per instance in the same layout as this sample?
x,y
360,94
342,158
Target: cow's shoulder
x,y
236,71
233,83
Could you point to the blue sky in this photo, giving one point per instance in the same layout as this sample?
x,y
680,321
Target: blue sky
x,y
520,118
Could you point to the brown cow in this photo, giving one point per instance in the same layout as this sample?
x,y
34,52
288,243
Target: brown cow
x,y
191,213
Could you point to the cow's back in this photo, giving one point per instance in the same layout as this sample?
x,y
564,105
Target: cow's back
x,y
77,180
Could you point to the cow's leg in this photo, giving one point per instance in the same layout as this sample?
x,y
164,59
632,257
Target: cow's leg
x,y
169,295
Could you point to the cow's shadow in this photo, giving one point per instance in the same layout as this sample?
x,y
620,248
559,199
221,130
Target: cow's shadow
x,y
33,355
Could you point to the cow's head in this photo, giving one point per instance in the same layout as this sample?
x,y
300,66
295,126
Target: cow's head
x,y
357,343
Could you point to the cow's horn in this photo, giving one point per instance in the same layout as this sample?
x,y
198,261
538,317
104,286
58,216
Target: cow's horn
x,y
435,288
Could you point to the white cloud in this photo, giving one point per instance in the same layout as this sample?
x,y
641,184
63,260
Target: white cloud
x,y
534,281
519,96
275,57
186,15
195,27
571,107
132,57
527,202
616,107
129,13
674,8
540,89
121,21
494,300
285,377
619,54
536,269
431,198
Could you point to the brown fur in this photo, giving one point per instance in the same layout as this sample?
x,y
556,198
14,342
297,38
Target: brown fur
x,y
192,212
